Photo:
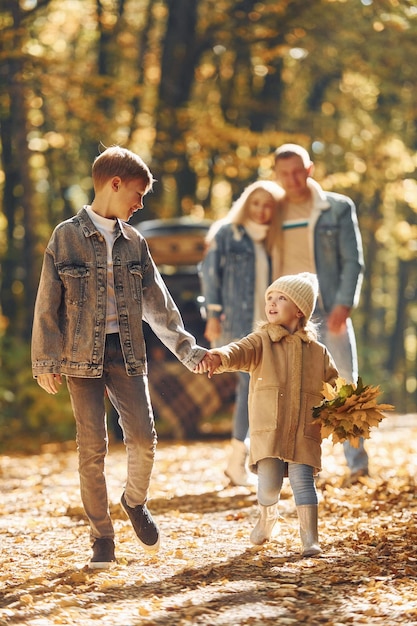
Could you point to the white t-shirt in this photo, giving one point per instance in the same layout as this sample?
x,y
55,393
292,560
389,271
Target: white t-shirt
x,y
297,255
107,227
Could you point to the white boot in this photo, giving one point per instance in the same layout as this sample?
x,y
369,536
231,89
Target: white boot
x,y
266,522
308,517
236,470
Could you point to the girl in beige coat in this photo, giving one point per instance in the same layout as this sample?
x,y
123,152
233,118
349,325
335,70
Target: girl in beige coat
x,y
287,366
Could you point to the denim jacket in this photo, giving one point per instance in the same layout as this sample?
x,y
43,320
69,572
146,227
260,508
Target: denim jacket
x,y
337,245
227,278
69,327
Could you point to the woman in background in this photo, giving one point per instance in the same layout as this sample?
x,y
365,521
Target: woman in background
x,y
236,269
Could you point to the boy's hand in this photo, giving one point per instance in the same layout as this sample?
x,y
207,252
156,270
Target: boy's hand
x,y
209,363
49,382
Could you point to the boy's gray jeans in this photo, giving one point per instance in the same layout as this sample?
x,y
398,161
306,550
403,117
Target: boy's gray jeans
x,y
130,397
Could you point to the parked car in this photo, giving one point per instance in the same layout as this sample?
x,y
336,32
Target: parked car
x,y
182,400
177,247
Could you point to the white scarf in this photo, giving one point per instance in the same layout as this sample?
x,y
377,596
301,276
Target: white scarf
x,y
257,232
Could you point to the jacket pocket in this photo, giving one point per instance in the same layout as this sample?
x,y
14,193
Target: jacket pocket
x,y
328,241
75,281
263,413
312,427
135,279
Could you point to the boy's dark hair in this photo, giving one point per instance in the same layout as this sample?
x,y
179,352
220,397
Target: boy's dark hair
x,y
117,161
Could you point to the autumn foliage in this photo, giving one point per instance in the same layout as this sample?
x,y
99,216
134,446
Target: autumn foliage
x,y
207,573
349,410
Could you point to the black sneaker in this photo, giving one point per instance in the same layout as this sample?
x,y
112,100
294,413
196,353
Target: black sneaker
x,y
143,525
103,553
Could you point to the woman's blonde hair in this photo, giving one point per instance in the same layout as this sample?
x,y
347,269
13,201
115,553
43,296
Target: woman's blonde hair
x,y
238,212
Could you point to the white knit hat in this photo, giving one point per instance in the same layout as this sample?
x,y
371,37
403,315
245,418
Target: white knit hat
x,y
302,289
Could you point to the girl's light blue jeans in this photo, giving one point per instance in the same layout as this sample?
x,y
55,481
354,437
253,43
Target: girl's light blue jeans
x,y
271,475
130,397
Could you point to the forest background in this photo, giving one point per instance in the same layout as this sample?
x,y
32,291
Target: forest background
x,y
204,91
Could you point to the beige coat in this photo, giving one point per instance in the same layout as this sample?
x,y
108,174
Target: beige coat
x,y
287,373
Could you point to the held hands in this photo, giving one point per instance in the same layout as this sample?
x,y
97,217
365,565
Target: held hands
x,y
209,363
49,382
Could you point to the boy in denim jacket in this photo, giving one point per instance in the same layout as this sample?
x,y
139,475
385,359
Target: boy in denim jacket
x,y
98,282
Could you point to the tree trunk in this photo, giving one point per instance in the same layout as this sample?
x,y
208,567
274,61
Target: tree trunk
x,y
175,178
396,341
19,270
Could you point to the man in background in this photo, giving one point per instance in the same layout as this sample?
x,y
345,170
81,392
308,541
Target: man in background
x,y
318,232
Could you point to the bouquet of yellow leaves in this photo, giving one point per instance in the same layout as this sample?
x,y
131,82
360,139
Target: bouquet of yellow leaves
x,y
348,411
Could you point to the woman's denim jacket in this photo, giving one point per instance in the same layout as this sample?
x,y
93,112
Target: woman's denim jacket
x,y
69,328
227,276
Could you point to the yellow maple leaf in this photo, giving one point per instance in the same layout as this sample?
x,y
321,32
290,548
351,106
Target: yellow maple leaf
x,y
328,391
385,407
359,416
326,431
340,382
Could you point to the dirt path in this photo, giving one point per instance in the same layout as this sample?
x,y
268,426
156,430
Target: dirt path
x,y
207,572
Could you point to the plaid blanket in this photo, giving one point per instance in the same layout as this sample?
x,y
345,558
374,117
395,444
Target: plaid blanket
x,y
183,399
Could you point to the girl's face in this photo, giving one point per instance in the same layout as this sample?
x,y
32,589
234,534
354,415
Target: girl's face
x,y
279,309
260,206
